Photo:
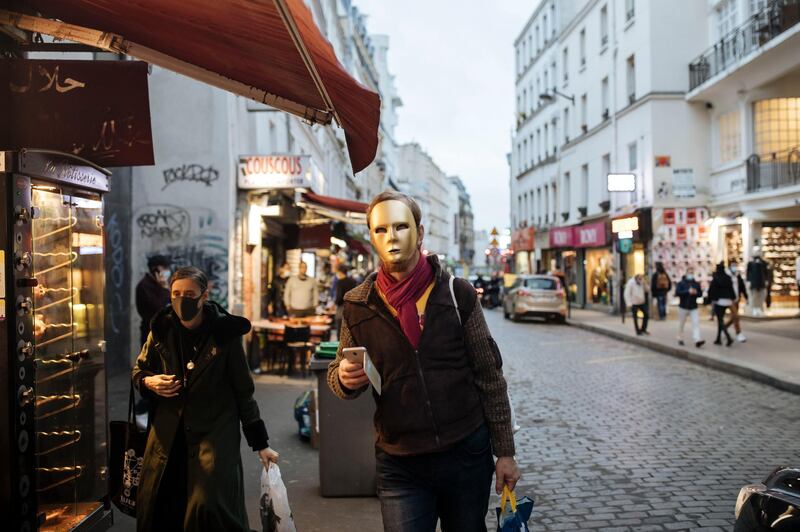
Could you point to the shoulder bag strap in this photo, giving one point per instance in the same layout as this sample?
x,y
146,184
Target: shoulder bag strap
x,y
455,302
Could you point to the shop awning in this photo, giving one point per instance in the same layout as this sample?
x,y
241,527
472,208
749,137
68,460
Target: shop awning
x,y
338,209
270,51
338,204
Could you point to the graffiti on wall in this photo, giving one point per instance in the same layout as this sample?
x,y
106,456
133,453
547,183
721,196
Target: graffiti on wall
x,y
192,173
187,237
116,252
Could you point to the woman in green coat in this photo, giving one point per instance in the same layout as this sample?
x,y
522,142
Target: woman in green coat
x,y
194,370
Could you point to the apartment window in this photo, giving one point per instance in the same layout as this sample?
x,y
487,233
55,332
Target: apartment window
x,y
530,43
544,27
539,205
555,201
537,93
726,17
584,109
532,153
519,205
539,144
566,192
555,137
632,157
630,67
547,79
538,40
553,68
583,46
604,98
525,151
524,99
584,203
546,142
566,124
730,137
630,10
776,126
606,169
547,204
756,6
553,17
603,26
565,66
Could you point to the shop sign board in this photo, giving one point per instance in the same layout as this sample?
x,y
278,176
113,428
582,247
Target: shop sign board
x,y
274,171
562,237
97,110
625,245
625,225
590,235
523,239
683,185
621,182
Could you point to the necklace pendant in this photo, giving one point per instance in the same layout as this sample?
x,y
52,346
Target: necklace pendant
x,y
190,365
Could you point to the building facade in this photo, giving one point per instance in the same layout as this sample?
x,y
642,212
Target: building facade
x,y
603,91
748,78
462,248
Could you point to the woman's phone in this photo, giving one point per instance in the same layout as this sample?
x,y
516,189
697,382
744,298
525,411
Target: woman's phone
x,y
354,354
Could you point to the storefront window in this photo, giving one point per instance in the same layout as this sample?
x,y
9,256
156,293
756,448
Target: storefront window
x,y
777,125
599,276
779,245
570,268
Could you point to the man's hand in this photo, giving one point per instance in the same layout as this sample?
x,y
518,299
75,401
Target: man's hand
x,y
506,472
352,375
163,385
268,456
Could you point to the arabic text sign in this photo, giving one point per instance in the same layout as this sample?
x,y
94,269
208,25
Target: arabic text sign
x,y
98,110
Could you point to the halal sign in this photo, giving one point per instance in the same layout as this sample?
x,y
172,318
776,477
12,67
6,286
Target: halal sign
x,y
274,171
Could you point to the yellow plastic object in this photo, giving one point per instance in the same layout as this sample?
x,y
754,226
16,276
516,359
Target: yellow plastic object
x,y
508,497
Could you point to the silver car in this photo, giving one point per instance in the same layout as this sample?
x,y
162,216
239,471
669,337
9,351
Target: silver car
x,y
536,295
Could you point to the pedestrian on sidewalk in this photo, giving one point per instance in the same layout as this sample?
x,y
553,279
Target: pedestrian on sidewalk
x,y
636,296
300,295
660,285
344,283
740,292
193,368
721,294
687,290
276,290
442,408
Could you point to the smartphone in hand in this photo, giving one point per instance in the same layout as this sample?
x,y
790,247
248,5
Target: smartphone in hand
x,y
355,354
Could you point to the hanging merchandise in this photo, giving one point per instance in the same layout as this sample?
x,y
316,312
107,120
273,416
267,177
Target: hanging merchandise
x,y
780,247
680,241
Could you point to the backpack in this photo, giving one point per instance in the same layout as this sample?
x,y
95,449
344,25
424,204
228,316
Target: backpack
x,y
662,281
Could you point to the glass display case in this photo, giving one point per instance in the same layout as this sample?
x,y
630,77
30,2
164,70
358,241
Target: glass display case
x,y
56,466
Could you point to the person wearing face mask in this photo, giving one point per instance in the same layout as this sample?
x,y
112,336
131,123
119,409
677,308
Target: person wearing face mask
x,y
443,408
740,292
193,369
688,290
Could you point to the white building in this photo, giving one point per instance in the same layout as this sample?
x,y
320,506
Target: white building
x,y
191,206
601,88
748,77
422,179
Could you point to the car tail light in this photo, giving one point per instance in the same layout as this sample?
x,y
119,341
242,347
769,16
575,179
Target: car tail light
x,y
524,293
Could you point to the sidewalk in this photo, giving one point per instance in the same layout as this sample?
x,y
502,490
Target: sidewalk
x,y
771,354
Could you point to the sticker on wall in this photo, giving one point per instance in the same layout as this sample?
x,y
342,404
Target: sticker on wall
x,y
691,216
669,216
680,232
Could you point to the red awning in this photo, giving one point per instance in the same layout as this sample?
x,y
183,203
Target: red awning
x,y
337,204
268,50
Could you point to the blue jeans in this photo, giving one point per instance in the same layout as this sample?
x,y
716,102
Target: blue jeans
x,y
661,302
452,485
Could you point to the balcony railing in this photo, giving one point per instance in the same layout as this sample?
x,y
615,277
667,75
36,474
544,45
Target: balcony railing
x,y
777,17
774,170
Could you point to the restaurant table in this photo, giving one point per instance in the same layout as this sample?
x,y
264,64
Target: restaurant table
x,y
273,332
346,439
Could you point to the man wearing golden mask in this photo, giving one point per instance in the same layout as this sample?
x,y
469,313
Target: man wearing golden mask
x,y
443,408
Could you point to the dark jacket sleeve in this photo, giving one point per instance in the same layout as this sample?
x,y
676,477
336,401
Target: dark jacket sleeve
x,y
148,363
243,388
345,340
742,288
487,367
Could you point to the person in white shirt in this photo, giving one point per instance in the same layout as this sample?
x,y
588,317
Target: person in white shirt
x,y
301,296
636,297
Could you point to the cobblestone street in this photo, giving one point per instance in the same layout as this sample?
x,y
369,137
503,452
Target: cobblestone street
x,y
616,437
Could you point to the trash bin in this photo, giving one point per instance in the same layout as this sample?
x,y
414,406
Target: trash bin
x,y
346,440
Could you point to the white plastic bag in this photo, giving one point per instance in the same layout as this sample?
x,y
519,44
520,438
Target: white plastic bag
x,y
276,516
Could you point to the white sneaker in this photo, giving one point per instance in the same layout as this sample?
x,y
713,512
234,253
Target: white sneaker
x,y
741,338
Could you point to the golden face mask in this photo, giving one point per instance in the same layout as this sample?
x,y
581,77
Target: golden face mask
x,y
393,233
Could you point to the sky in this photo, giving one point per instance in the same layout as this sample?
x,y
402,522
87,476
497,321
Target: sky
x,y
453,62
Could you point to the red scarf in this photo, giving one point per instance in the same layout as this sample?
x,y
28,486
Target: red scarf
x,y
403,296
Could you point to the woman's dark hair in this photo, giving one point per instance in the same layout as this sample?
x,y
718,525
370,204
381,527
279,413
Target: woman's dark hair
x,y
190,272
720,269
155,261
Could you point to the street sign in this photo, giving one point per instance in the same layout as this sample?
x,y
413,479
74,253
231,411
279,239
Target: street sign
x,y
625,245
495,232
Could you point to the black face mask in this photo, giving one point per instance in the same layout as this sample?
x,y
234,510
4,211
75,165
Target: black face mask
x,y
187,308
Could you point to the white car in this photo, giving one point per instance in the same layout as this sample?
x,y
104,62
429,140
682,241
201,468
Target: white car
x,y
536,295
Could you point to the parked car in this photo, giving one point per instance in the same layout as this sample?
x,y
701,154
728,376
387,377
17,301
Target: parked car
x,y
773,505
536,295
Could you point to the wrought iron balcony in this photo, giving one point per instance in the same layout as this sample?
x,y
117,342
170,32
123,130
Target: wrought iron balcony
x,y
777,17
774,170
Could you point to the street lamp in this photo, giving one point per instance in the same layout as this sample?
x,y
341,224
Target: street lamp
x,y
546,96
